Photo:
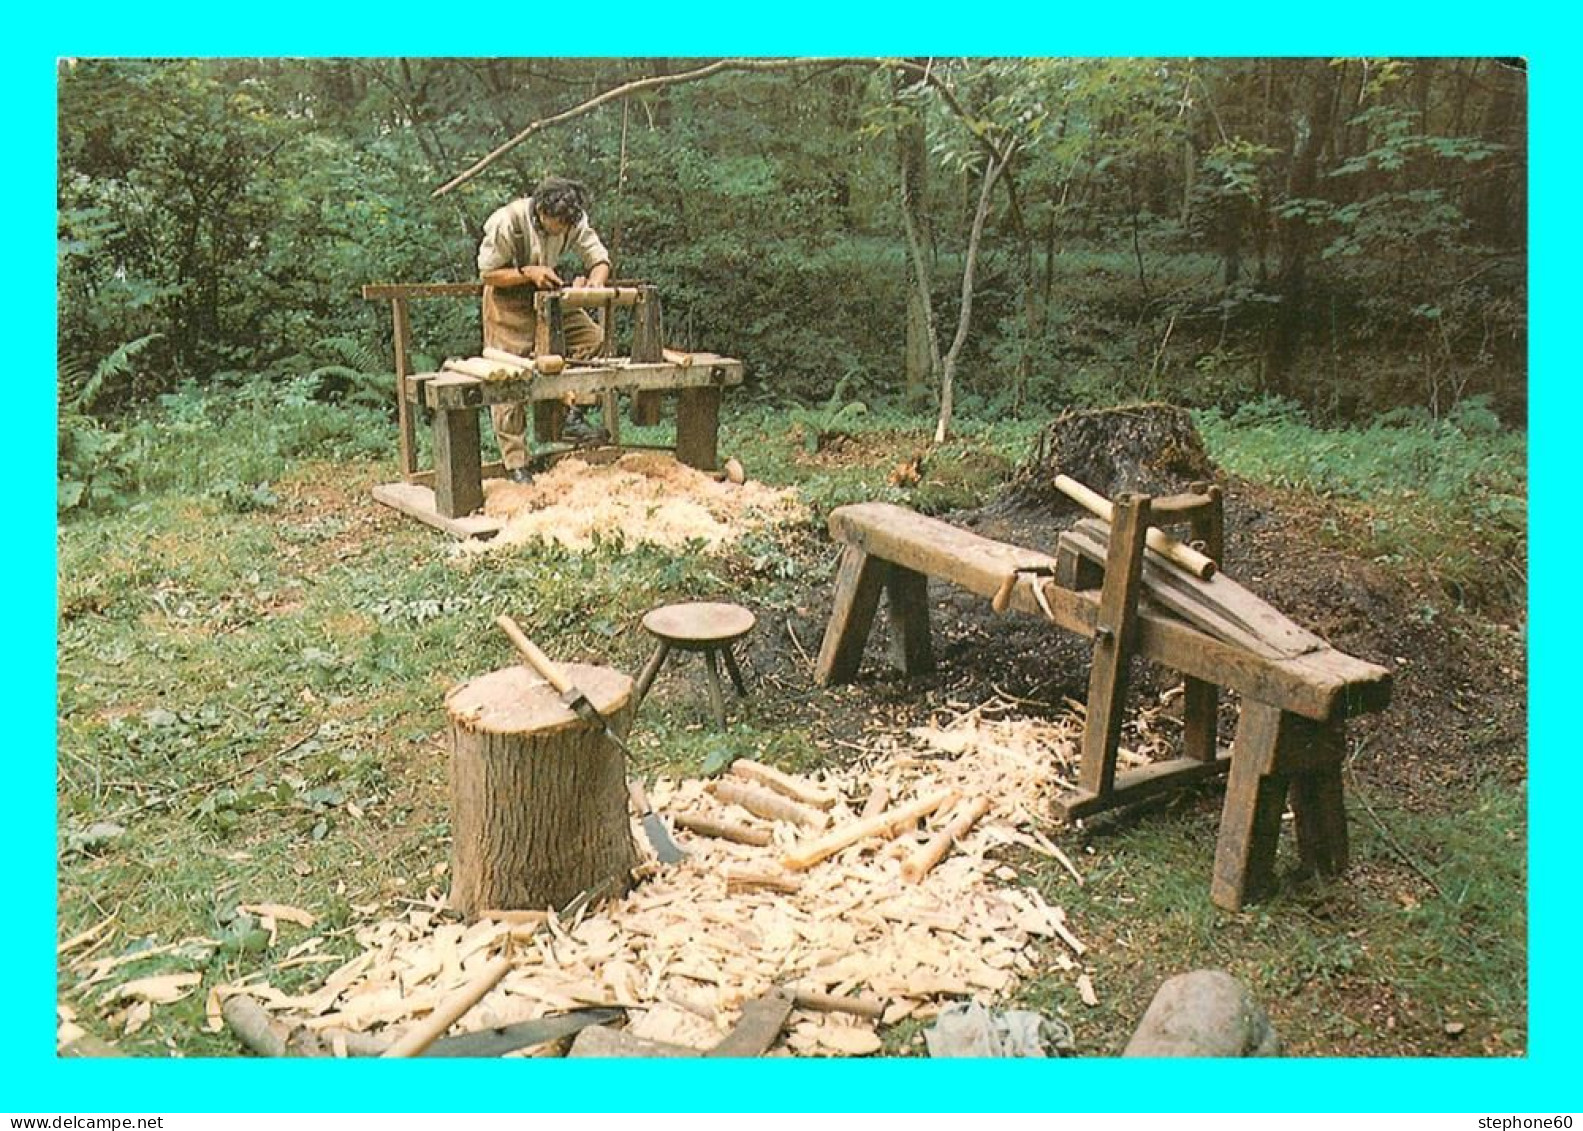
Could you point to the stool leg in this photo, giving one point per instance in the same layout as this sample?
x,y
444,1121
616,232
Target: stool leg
x,y
650,670
716,699
735,672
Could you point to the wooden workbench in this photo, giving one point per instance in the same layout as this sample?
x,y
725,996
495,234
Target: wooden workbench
x,y
449,495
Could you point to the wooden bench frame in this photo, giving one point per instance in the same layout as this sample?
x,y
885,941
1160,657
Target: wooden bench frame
x,y
1296,693
447,495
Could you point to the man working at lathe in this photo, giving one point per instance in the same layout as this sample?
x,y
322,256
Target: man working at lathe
x,y
523,241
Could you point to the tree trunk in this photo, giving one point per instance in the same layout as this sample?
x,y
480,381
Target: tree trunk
x,y
919,367
538,796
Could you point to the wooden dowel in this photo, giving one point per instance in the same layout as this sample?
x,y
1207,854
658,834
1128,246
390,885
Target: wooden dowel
x,y
772,806
742,879
807,855
722,829
917,866
450,1011
834,1003
784,783
577,297
1177,552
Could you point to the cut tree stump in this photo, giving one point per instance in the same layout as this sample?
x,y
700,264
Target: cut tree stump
x,y
538,796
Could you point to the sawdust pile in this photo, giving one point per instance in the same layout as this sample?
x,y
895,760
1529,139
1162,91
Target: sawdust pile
x,y
643,497
682,953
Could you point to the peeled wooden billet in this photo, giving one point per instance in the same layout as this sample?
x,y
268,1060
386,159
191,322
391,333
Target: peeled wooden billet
x,y
764,803
807,855
793,788
721,829
916,866
1178,553
744,879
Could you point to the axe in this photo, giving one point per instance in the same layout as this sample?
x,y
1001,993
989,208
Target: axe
x,y
664,847
570,695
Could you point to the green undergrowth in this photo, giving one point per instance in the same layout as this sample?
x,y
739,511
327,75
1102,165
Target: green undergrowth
x,y
1442,498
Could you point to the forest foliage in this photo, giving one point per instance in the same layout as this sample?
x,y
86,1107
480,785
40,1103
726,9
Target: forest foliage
x,y
1344,234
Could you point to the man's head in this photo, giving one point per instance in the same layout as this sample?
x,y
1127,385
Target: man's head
x,y
558,204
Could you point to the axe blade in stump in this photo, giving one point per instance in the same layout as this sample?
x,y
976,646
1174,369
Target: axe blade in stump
x,y
664,847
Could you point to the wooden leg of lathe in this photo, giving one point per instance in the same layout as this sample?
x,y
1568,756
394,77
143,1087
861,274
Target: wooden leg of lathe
x,y
458,475
698,428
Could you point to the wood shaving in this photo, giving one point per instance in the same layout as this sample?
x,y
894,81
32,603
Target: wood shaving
x,y
682,953
643,497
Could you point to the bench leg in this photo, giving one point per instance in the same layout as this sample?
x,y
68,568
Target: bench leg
x,y
1276,755
458,476
858,582
1250,822
1107,678
907,592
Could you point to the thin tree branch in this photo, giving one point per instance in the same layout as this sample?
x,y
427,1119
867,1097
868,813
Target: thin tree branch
x,y
925,74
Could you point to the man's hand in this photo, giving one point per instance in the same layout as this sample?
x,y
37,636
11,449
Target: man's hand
x,y
543,278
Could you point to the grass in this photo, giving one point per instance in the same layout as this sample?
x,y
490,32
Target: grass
x,y
249,676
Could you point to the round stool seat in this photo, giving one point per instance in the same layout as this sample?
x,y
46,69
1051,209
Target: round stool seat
x,y
710,627
700,625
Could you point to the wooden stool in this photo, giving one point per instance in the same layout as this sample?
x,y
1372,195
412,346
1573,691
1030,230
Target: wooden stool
x,y
705,626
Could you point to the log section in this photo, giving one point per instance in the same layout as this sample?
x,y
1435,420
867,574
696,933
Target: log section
x,y
538,796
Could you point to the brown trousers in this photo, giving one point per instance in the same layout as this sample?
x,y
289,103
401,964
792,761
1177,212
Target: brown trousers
x,y
509,324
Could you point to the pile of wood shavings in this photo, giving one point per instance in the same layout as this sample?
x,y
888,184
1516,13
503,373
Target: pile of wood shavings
x,y
641,497
682,954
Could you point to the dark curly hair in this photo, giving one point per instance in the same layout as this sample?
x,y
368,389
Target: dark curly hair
x,y
561,199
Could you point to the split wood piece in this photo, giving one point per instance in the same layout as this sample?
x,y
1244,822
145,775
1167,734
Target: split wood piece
x,y
1001,601
883,824
722,829
484,369
918,865
869,1007
262,1034
450,1011
794,788
677,357
771,806
1177,552
550,363
538,796
1216,605
741,880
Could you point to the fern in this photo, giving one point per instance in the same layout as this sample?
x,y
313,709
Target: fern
x,y
117,364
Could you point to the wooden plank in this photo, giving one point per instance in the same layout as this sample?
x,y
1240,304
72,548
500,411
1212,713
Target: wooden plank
x,y
417,501
582,382
907,599
1142,783
698,426
458,482
421,290
1113,644
859,580
494,469
931,547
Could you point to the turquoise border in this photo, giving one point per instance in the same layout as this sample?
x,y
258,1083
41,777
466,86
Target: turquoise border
x,y
37,1081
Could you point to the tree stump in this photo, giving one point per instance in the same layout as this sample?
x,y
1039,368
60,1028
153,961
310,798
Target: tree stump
x,y
538,795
